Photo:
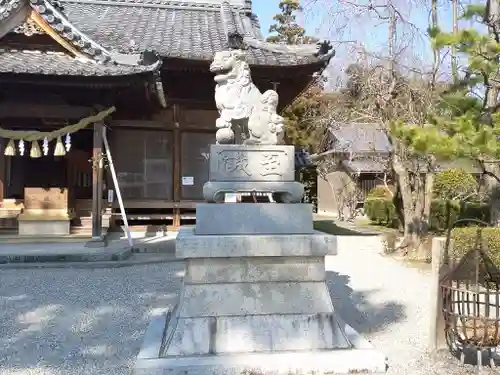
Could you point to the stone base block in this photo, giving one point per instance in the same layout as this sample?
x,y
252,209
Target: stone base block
x,y
245,299
191,245
282,191
254,334
360,357
44,227
257,269
257,218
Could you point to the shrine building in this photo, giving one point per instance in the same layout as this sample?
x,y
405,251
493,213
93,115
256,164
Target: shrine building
x,y
138,69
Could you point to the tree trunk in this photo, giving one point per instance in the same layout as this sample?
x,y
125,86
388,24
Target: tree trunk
x,y
492,187
405,190
416,197
435,51
492,180
454,63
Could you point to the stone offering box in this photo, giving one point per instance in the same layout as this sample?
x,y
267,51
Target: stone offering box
x,y
46,212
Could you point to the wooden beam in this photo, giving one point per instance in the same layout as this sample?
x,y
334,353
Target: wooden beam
x,y
97,180
47,111
156,203
143,124
40,22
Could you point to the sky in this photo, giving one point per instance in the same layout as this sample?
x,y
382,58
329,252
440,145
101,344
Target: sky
x,y
320,22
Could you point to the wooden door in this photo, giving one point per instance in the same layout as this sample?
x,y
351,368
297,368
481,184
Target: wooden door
x,y
143,162
194,162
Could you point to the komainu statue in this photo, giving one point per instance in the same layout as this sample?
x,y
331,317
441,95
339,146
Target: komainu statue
x,y
245,115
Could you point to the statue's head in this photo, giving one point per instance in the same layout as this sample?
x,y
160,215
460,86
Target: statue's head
x,y
270,99
225,63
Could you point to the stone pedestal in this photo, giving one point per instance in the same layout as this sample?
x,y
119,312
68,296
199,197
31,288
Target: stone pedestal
x,y
254,298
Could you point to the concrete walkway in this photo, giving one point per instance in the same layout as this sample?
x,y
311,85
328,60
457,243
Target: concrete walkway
x,y
117,250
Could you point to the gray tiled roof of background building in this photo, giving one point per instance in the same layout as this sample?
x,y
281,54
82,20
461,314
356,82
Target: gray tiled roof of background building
x,y
370,147
360,137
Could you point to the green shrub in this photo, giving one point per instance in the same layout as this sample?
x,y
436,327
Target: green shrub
x,y
458,210
475,210
439,214
463,239
380,211
454,184
379,192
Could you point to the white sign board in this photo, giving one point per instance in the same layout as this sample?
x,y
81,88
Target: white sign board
x,y
111,195
230,198
187,181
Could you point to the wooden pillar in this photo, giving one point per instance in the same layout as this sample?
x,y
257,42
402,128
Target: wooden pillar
x,y
3,175
97,180
176,178
437,337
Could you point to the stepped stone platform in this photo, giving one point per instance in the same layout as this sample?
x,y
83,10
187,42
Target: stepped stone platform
x,y
254,298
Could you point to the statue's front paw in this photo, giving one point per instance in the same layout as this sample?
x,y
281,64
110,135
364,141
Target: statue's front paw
x,y
220,123
224,136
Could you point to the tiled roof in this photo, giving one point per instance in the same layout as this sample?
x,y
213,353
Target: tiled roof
x,y
365,165
357,137
59,63
7,7
181,29
116,33
85,55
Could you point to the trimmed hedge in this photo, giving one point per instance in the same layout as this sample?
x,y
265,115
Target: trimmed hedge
x,y
464,238
458,210
454,183
380,211
383,212
379,192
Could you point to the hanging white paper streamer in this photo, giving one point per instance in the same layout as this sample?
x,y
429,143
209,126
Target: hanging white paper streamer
x,y
21,147
45,146
67,142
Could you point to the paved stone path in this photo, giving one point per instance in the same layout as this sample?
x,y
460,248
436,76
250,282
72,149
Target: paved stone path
x,y
387,301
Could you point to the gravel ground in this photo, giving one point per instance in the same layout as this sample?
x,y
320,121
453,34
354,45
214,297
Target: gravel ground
x,y
387,301
79,321
92,321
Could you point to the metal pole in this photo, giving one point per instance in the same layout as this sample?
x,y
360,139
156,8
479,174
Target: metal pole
x,y
117,188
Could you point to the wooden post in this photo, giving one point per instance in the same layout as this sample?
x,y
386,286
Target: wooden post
x,y
3,175
176,178
437,337
97,180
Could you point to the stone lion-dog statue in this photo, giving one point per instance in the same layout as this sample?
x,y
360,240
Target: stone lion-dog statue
x,y
246,116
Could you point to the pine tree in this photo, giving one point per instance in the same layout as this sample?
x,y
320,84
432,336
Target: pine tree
x,y
461,124
300,130
286,28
